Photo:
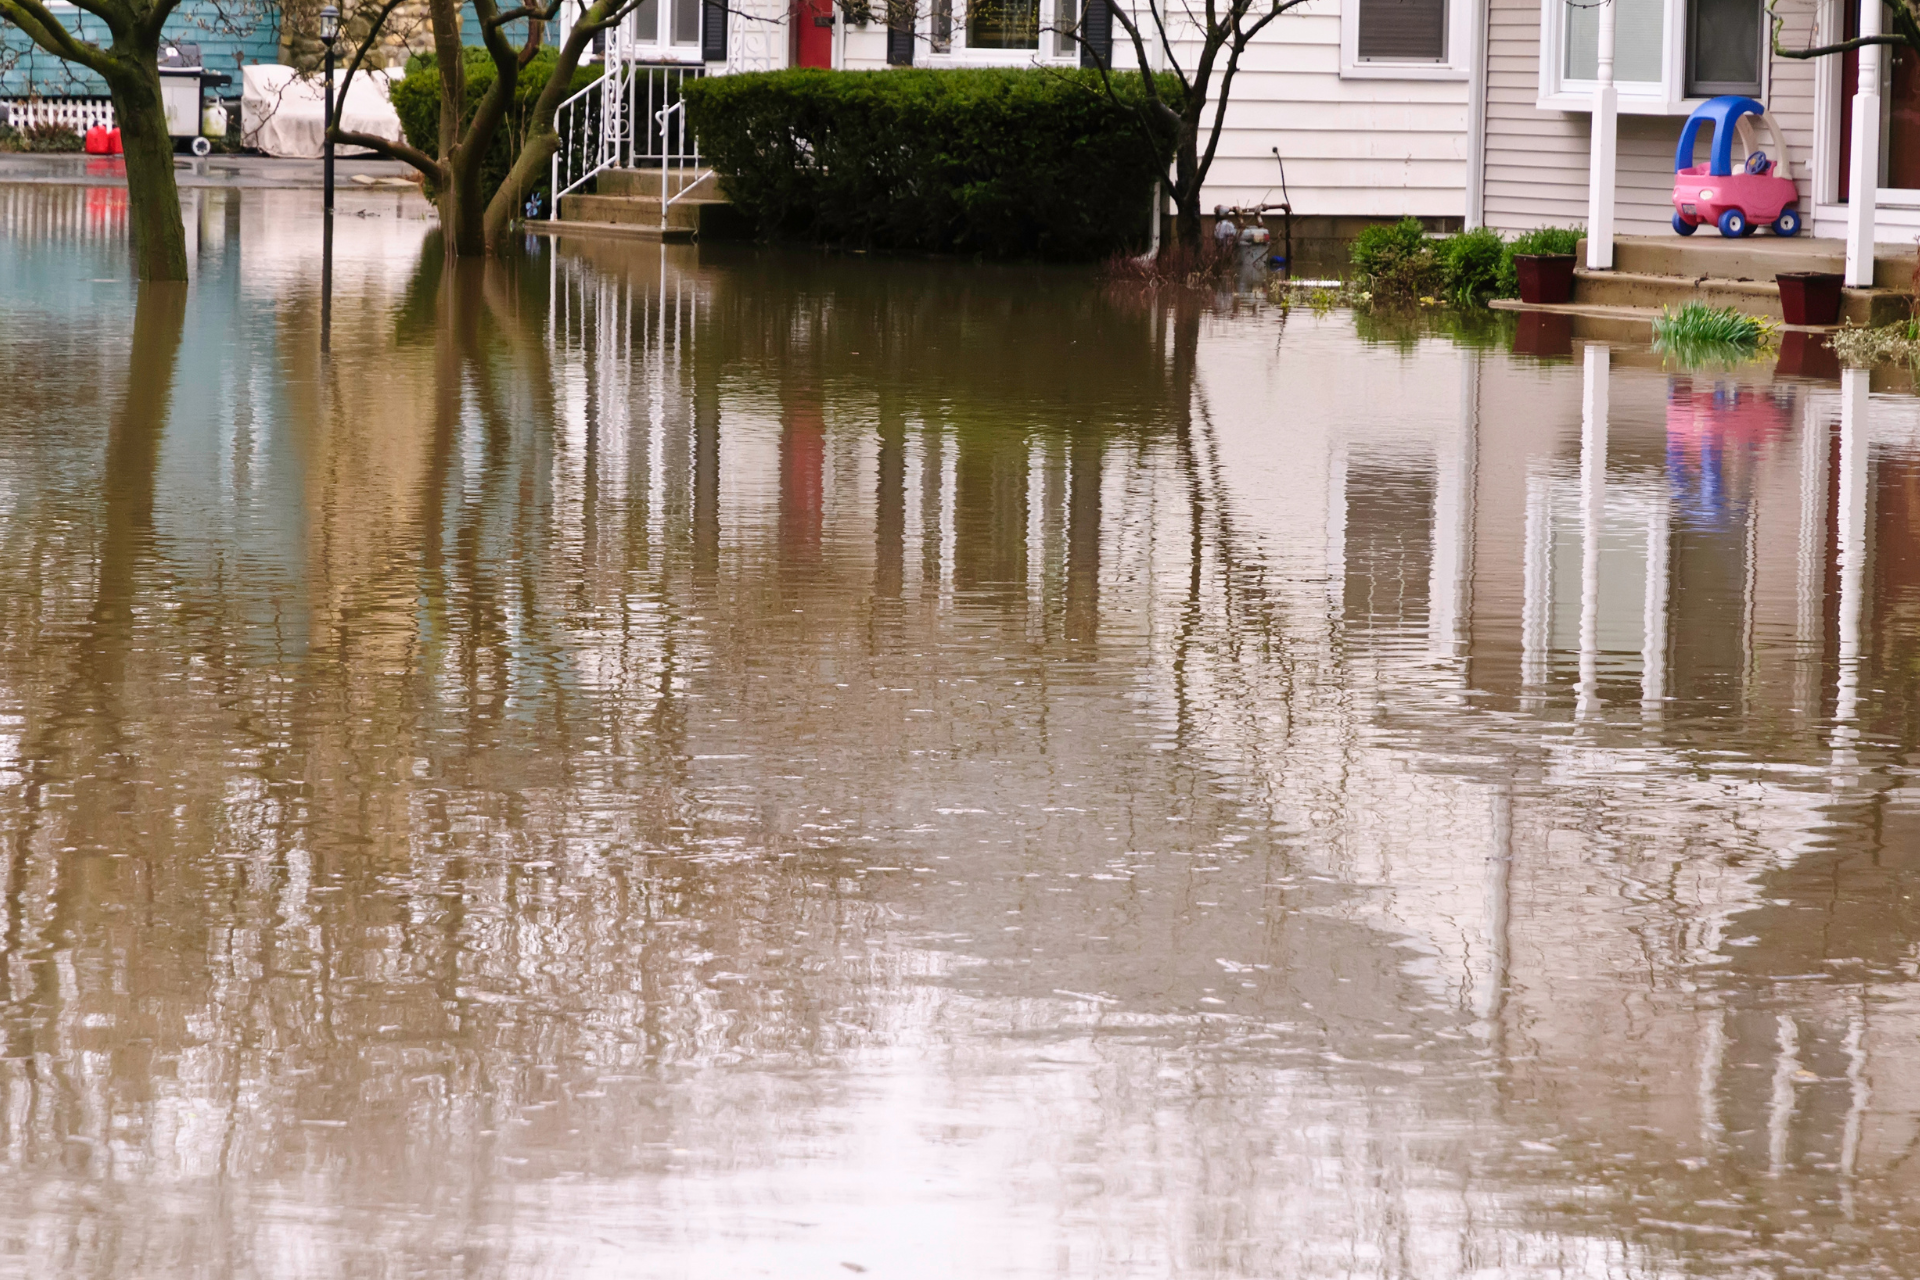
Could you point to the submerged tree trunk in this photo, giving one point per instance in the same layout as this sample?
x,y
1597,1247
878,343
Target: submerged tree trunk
x,y
153,198
1186,187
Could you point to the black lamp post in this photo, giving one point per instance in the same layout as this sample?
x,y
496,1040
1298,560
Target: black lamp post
x,y
329,32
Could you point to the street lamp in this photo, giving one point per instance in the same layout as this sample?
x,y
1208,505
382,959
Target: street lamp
x,y
329,32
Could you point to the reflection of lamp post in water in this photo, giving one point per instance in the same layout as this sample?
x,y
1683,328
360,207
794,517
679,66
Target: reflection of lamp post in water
x,y
329,32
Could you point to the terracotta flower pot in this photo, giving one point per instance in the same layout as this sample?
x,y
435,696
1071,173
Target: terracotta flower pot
x,y
1810,297
1544,277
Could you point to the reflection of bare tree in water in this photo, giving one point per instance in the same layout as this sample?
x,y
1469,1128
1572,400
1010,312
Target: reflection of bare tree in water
x,y
80,730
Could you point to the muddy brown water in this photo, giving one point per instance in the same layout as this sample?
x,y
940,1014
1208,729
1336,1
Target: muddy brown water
x,y
679,763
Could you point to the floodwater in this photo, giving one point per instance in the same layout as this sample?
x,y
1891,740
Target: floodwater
x,y
751,763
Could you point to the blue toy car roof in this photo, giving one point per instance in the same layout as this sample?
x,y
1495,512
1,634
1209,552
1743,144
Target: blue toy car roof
x,y
1721,113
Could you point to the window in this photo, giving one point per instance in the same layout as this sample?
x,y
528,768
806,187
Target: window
x,y
1667,54
1007,32
1406,39
1638,40
1723,47
1003,24
1402,31
667,24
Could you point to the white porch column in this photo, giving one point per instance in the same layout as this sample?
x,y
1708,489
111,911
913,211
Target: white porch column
x,y
1864,179
1603,144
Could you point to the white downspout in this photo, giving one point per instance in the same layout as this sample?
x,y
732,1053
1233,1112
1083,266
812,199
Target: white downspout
x,y
1477,120
1864,184
1603,144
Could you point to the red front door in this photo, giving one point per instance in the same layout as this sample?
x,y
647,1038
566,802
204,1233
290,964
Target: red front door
x,y
813,33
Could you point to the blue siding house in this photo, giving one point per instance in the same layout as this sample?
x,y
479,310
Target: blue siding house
x,y
26,70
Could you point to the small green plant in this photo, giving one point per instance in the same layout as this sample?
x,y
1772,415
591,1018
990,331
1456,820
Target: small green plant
x,y
1396,264
1696,334
45,138
1470,265
1540,240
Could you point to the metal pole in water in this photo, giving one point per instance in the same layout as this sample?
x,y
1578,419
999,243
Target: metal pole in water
x,y
329,32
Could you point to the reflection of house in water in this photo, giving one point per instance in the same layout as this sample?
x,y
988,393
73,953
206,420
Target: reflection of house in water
x,y
1640,557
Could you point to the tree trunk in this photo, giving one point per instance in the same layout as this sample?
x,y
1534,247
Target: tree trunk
x,y
531,165
153,198
1186,187
462,216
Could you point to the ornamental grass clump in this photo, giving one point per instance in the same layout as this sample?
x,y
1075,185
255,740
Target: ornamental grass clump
x,y
1860,347
1697,334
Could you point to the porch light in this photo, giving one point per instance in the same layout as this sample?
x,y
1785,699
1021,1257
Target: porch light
x,y
329,25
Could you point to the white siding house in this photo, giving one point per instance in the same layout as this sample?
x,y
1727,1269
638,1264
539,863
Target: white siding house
x,y
1366,102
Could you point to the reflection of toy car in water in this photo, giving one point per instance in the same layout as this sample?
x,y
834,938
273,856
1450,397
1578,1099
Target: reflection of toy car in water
x,y
1736,201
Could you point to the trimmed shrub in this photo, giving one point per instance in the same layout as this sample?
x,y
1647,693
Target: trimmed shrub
x,y
1006,163
416,100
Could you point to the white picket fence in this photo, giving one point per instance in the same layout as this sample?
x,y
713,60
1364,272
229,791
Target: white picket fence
x,y
77,114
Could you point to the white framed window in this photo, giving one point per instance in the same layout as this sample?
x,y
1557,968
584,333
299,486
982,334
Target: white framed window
x,y
1002,32
666,30
1405,39
1668,55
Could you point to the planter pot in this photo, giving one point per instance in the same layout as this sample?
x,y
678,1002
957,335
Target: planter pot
x,y
1544,277
1810,297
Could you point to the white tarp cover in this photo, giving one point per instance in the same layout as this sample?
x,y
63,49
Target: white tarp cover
x,y
281,114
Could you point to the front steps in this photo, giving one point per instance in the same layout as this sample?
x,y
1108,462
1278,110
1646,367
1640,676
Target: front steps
x,y
626,203
1654,272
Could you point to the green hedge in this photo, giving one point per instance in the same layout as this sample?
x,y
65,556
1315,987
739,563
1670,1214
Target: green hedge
x,y
1007,163
416,100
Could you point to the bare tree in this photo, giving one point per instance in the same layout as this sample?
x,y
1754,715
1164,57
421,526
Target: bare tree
x,y
129,61
474,224
1217,36
1906,24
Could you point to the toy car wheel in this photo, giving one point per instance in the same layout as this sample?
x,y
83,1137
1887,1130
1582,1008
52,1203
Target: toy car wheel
x,y
202,147
1682,227
1733,223
1788,223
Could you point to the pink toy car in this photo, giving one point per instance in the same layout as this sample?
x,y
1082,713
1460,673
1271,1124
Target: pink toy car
x,y
1735,199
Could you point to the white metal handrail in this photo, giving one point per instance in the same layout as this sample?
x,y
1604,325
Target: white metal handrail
x,y
676,145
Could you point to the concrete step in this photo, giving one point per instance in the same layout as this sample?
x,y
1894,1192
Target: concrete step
x,y
646,182
1761,256
630,210
618,230
1640,289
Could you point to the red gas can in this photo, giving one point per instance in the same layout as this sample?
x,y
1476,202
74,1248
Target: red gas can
x,y
96,143
113,142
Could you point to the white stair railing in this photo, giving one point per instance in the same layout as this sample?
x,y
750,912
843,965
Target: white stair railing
x,y
677,150
606,125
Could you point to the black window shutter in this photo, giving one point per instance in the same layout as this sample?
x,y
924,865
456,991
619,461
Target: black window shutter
x,y
900,18
1403,30
1096,35
713,31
